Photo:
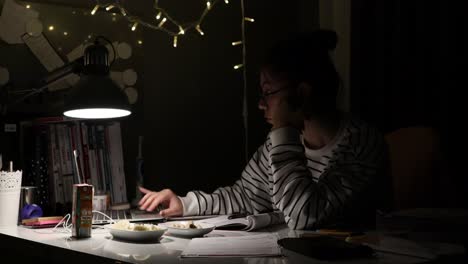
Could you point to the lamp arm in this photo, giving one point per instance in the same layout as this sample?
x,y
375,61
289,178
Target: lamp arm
x,y
75,66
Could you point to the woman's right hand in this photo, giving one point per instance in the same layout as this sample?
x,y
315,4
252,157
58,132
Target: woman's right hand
x,y
167,198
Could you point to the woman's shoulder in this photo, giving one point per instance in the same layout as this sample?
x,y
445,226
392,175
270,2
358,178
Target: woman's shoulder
x,y
356,125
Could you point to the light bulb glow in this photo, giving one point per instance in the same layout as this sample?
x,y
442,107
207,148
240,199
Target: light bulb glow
x,y
235,43
95,9
122,11
198,28
181,31
249,19
134,26
51,28
28,6
158,16
65,33
140,42
226,1
97,113
238,66
109,7
208,4
175,42
162,22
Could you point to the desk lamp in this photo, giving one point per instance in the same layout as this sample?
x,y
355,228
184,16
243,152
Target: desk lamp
x,y
95,95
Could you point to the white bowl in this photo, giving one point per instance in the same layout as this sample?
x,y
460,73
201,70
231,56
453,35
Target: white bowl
x,y
187,232
122,234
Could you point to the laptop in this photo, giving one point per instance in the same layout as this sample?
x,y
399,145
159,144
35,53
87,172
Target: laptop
x,y
132,215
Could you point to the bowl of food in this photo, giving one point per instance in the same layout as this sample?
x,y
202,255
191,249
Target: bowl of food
x,y
187,228
124,230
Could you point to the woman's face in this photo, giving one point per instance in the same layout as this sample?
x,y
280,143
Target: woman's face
x,y
272,92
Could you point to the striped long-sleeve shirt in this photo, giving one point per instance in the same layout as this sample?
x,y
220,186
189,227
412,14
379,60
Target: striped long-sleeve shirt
x,y
312,188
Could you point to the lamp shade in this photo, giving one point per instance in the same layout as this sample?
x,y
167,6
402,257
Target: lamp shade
x,y
96,96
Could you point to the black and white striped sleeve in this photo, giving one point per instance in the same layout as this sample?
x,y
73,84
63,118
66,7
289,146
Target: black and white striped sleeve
x,y
250,194
307,204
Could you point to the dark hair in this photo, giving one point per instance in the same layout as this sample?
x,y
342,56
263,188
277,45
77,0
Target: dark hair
x,y
305,57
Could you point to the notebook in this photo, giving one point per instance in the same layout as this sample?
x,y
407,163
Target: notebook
x,y
132,215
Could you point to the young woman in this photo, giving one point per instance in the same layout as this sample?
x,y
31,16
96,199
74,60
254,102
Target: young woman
x,y
318,166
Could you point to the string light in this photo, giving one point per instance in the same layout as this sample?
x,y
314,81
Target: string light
x,y
158,16
95,9
51,28
140,42
109,7
208,5
238,66
175,42
236,43
226,1
65,33
181,31
134,26
199,30
162,22
28,6
249,19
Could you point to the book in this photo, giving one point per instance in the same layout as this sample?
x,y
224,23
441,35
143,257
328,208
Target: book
x,y
245,222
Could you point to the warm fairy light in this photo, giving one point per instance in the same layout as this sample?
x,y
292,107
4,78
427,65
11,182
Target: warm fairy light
x,y
249,19
95,9
162,22
235,43
124,13
109,7
140,42
51,28
208,4
134,26
28,6
158,16
238,66
226,1
65,33
175,42
181,31
89,36
198,28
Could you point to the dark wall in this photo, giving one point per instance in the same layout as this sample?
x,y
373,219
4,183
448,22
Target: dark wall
x,y
194,134
407,70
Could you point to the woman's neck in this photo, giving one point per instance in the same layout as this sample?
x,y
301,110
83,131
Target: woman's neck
x,y
318,132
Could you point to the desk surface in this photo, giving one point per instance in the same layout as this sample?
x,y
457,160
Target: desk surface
x,y
55,246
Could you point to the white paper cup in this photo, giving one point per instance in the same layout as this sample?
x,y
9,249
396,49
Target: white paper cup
x,y
10,189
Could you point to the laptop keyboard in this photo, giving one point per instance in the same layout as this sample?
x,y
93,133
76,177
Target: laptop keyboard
x,y
116,215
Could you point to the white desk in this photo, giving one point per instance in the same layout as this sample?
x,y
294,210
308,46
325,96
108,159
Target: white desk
x,y
50,247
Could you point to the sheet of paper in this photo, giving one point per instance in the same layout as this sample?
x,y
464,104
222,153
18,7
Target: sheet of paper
x,y
255,245
13,21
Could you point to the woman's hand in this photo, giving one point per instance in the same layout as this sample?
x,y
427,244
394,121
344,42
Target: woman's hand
x,y
166,198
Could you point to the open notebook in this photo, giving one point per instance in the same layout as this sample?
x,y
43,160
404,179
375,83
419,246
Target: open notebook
x,y
132,215
245,222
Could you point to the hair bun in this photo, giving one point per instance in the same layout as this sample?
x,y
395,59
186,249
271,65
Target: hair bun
x,y
326,38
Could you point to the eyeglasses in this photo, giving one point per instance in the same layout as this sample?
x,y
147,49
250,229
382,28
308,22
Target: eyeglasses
x,y
264,95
